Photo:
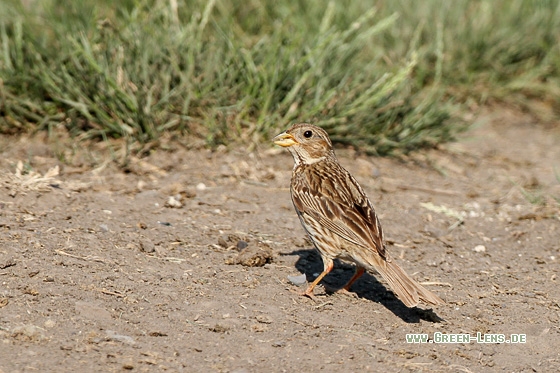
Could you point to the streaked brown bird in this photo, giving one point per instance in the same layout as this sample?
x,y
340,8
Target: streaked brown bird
x,y
338,217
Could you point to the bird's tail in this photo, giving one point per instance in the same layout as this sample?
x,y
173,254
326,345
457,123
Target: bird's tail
x,y
405,288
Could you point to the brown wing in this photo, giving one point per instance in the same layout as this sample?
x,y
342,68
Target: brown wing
x,y
330,195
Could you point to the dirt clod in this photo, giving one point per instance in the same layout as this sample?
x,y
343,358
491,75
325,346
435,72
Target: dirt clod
x,y
253,256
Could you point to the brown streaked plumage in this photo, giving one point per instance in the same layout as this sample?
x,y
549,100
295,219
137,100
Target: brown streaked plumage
x,y
337,215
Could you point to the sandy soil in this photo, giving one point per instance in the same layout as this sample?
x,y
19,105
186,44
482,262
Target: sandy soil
x,y
100,270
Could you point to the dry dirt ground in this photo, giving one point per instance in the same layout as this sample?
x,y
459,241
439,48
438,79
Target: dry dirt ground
x,y
101,271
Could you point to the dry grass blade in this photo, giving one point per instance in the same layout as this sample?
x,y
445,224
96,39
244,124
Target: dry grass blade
x,y
23,181
93,258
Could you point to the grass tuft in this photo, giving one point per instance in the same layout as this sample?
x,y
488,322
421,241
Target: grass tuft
x,y
383,76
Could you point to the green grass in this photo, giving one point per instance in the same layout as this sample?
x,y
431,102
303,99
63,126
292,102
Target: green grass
x,y
383,76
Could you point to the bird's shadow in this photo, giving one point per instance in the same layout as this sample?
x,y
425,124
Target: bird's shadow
x,y
366,286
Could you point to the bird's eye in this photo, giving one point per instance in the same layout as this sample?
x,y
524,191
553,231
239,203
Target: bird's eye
x,y
307,134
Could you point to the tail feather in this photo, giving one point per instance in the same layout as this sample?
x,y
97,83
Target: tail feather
x,y
405,288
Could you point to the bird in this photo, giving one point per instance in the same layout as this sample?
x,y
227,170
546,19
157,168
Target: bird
x,y
338,217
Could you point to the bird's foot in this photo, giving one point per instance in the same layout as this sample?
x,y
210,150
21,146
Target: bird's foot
x,y
347,292
343,291
308,294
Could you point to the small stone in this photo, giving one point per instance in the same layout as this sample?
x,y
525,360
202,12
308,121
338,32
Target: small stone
x,y
7,263
28,333
264,319
140,185
188,193
147,246
201,187
30,291
219,328
298,280
259,328
222,241
173,202
241,245
119,337
104,227
479,248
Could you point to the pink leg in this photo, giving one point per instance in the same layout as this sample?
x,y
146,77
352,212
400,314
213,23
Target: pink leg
x,y
359,272
328,267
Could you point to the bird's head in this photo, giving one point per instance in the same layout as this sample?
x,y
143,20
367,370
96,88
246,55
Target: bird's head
x,y
308,143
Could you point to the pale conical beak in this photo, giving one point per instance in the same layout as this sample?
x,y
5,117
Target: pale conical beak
x,y
285,140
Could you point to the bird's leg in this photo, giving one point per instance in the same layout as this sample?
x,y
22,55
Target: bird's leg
x,y
359,272
328,265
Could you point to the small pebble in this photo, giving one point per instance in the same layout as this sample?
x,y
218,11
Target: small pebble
x,y
264,319
119,337
188,193
479,248
147,246
141,185
222,241
241,245
173,202
104,227
201,187
28,332
298,280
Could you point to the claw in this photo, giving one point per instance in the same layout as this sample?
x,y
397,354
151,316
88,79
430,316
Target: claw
x,y
344,291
